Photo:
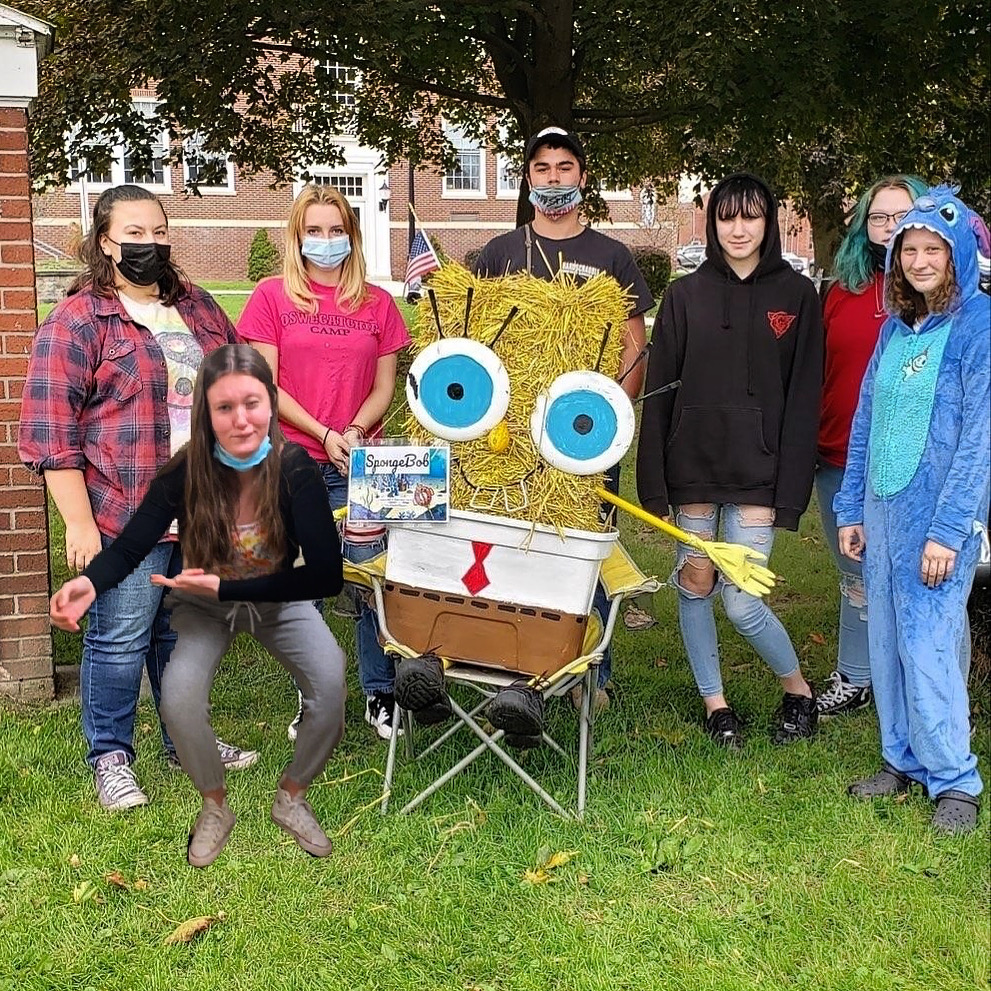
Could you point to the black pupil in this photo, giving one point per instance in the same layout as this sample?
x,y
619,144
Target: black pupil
x,y
583,424
948,213
456,390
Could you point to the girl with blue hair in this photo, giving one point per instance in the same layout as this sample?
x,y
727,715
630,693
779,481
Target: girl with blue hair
x,y
852,318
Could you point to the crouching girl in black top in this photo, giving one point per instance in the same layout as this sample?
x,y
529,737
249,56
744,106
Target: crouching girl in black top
x,y
247,504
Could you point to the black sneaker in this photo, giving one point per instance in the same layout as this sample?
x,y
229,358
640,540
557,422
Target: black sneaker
x,y
518,710
420,683
379,708
840,696
724,726
797,718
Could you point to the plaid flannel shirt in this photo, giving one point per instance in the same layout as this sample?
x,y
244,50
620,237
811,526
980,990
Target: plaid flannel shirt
x,y
95,397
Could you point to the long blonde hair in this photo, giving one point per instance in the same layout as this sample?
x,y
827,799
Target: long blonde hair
x,y
352,291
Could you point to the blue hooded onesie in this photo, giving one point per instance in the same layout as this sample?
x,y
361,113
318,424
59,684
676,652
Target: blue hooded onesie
x,y
918,469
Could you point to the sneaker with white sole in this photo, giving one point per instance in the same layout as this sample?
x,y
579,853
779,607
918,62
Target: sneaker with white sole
x,y
841,696
379,709
116,787
295,816
233,758
293,727
210,833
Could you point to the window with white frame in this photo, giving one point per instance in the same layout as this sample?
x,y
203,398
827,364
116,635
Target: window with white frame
x,y
352,186
155,176
508,173
209,171
467,178
344,79
124,169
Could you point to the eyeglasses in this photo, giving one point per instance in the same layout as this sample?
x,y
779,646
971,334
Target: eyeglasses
x,y
880,219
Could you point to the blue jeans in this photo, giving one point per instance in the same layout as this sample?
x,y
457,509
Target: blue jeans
x,y
128,630
750,614
376,671
853,659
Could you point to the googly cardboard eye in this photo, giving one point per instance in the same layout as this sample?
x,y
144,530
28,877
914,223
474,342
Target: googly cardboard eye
x,y
583,424
458,389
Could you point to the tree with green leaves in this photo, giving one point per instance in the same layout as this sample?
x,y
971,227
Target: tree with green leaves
x,y
654,87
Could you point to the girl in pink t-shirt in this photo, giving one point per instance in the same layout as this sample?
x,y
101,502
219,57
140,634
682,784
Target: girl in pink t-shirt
x,y
332,339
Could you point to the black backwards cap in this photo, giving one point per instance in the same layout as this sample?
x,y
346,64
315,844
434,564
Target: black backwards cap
x,y
556,136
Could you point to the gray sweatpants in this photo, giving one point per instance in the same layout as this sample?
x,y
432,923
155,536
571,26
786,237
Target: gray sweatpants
x,y
295,634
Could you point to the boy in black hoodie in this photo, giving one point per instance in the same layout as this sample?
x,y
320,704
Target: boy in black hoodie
x,y
737,441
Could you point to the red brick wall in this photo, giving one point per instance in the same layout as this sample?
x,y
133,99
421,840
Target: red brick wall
x,y
25,640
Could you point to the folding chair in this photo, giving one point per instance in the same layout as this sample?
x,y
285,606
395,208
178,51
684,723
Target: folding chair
x,y
621,579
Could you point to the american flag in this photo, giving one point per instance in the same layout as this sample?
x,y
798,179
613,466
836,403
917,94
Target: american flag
x,y
422,258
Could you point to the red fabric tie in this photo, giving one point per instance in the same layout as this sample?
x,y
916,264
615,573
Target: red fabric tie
x,y
475,578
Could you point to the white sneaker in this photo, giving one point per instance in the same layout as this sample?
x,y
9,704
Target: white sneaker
x,y
379,709
293,727
234,758
116,787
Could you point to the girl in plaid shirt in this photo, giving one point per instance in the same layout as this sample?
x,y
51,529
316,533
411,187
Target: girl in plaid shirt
x,y
105,405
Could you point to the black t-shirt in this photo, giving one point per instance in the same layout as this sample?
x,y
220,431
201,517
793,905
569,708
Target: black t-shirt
x,y
582,256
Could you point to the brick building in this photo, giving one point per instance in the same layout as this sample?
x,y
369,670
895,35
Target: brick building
x,y
462,208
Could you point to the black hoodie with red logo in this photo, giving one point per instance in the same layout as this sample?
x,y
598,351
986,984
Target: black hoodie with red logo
x,y
742,426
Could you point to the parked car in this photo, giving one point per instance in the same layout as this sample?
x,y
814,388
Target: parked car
x,y
690,256
797,262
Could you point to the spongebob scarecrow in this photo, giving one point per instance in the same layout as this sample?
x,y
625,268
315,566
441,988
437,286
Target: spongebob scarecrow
x,y
518,375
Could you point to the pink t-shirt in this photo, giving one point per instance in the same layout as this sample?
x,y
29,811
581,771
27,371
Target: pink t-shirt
x,y
327,360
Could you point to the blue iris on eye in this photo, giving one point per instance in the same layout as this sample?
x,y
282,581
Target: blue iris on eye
x,y
581,424
456,390
949,213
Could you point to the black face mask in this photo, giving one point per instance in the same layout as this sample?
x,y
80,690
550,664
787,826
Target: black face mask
x,y
142,263
879,252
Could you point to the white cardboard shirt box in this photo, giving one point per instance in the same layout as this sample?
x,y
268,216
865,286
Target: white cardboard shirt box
x,y
476,554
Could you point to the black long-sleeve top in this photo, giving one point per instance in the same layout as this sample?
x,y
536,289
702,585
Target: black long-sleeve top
x,y
309,525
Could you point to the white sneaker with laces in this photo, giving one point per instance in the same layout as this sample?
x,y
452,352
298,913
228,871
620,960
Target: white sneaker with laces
x,y
234,758
378,714
116,787
841,696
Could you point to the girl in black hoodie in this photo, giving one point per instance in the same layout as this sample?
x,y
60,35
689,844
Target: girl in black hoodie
x,y
736,443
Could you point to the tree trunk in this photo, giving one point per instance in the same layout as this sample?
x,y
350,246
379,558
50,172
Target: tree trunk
x,y
550,82
828,228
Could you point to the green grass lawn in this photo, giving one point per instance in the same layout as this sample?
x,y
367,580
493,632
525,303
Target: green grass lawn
x,y
695,870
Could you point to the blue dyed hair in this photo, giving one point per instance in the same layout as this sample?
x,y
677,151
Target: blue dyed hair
x,y
853,264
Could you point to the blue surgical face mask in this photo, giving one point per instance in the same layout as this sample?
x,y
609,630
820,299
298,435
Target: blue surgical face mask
x,y
555,201
242,464
326,252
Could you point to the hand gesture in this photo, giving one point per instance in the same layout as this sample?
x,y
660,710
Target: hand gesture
x,y
852,541
937,563
194,580
82,544
70,603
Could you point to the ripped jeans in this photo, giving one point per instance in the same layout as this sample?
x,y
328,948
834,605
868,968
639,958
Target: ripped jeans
x,y
749,614
853,659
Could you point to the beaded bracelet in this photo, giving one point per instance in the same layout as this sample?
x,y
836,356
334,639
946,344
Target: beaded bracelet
x,y
357,427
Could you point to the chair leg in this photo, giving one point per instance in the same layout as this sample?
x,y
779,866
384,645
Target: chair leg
x,y
390,763
585,735
488,743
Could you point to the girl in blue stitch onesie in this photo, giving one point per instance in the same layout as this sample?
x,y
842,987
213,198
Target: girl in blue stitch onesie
x,y
914,500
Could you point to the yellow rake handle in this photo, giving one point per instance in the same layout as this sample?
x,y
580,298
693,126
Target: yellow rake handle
x,y
740,564
655,521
